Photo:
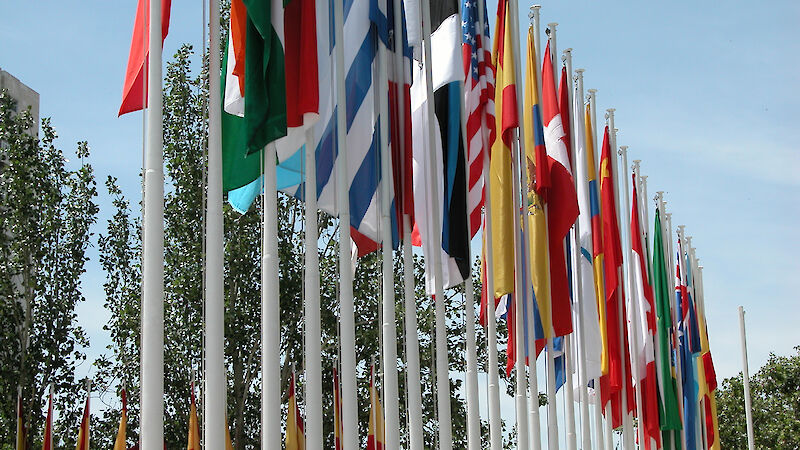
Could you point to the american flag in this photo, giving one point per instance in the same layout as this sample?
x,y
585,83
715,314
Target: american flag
x,y
479,102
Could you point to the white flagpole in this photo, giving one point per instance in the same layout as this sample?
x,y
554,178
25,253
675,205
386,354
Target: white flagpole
x,y
633,313
603,434
215,386
569,393
313,343
675,324
347,340
533,383
389,326
412,343
492,376
442,366
471,357
152,353
552,418
270,309
627,437
586,434
520,288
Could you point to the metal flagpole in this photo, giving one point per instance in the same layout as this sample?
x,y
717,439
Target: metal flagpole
x,y
586,435
675,324
442,366
347,320
492,375
471,357
632,314
270,308
152,413
552,418
627,437
520,288
533,382
569,394
313,344
603,435
748,407
215,386
389,326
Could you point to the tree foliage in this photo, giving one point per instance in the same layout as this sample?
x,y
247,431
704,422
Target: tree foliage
x,y
775,395
46,212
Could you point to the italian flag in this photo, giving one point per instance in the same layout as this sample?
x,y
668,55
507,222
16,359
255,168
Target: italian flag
x,y
270,84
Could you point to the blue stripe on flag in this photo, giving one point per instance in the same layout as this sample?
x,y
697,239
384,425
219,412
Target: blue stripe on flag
x,y
365,183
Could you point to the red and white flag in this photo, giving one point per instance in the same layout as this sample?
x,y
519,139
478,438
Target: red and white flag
x,y
643,317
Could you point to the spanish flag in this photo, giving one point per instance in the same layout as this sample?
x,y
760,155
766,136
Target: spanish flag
x,y
83,431
194,427
707,385
295,440
119,444
376,434
500,176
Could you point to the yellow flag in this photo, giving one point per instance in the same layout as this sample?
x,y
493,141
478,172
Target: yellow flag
x,y
500,176
228,444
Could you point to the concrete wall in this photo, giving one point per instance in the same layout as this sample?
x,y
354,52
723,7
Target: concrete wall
x,y
25,97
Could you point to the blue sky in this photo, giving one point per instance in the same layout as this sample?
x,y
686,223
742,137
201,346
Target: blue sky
x,y
706,95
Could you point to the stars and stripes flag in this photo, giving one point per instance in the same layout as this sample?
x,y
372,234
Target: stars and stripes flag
x,y
479,103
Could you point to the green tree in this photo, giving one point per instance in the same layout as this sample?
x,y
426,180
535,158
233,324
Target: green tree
x,y
775,395
46,212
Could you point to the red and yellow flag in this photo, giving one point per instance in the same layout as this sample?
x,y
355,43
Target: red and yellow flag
x,y
295,440
47,441
83,431
194,426
119,443
377,430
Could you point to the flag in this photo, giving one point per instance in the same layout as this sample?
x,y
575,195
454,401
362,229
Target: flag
x,y
337,412
669,412
555,185
706,379
291,62
47,436
688,364
134,90
500,176
615,299
448,173
83,431
586,311
228,443
21,429
597,241
643,318
295,440
119,443
193,440
376,433
479,104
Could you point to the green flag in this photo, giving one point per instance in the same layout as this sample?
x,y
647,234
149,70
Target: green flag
x,y
669,413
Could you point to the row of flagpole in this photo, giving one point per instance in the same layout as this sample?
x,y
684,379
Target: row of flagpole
x,y
152,318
